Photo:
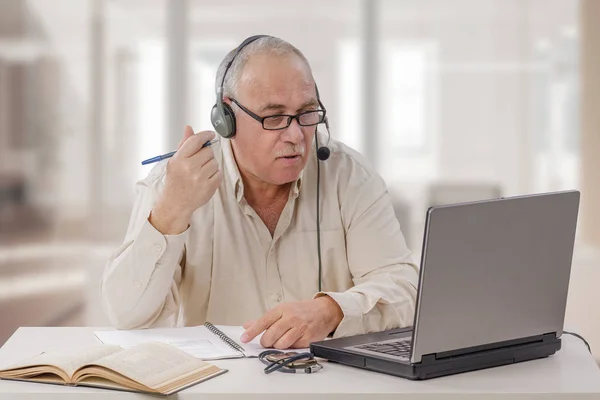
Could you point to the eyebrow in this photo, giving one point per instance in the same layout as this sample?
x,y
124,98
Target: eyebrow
x,y
308,104
281,107
273,107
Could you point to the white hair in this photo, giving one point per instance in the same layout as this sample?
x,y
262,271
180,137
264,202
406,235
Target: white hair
x,y
266,45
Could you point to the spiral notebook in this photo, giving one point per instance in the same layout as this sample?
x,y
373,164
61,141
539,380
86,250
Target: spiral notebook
x,y
206,342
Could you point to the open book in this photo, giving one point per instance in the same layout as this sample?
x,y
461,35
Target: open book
x,y
150,367
207,342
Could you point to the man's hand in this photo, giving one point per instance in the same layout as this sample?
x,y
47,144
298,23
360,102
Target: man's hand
x,y
192,178
295,325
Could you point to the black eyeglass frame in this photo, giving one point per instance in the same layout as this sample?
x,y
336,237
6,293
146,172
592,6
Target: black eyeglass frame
x,y
322,111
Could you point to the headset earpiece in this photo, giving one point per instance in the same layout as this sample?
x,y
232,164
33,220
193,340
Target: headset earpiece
x,y
221,115
223,121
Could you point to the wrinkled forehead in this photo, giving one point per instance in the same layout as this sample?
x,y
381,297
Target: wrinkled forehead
x,y
277,77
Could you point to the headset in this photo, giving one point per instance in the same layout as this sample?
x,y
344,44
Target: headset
x,y
223,120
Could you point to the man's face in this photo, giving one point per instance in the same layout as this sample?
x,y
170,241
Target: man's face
x,y
268,86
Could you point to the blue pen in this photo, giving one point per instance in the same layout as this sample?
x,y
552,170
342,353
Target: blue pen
x,y
171,154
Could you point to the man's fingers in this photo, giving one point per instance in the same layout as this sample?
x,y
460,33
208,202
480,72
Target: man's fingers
x,y
275,332
187,133
248,324
215,178
301,343
288,339
202,158
261,325
194,144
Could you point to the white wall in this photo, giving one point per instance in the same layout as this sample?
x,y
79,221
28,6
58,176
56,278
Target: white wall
x,y
486,75
485,70
64,24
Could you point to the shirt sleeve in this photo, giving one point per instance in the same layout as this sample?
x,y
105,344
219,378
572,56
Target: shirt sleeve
x,y
140,284
385,277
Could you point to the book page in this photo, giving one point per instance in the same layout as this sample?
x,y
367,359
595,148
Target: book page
x,y
103,383
71,359
197,341
152,364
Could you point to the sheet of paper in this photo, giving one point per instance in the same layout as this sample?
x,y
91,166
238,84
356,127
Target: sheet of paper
x,y
197,341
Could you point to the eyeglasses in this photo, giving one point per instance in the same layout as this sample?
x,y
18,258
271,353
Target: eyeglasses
x,y
282,121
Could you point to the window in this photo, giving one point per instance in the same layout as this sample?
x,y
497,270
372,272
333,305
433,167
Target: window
x,y
556,119
407,107
405,95
151,134
349,95
205,60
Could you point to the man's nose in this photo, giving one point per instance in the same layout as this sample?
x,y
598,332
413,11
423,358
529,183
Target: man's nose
x,y
293,133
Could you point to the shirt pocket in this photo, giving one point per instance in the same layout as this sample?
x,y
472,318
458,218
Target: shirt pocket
x,y
298,263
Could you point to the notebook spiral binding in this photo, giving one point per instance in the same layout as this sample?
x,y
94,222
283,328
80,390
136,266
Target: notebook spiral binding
x,y
224,337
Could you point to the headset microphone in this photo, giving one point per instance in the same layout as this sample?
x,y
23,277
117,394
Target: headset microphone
x,y
323,151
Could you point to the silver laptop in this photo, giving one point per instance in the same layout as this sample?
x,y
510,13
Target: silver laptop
x,y
492,290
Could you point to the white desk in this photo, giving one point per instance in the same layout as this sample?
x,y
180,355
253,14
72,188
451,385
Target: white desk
x,y
569,374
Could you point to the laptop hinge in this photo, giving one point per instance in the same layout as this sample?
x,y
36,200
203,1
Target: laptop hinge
x,y
545,338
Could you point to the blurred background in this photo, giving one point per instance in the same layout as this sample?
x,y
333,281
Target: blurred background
x,y
450,100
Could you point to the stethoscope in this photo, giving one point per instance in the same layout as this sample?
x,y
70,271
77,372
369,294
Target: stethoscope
x,y
290,362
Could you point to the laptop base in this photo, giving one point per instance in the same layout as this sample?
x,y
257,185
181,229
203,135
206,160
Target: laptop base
x,y
432,366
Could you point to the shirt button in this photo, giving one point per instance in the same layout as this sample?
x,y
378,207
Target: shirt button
x,y
137,284
158,248
279,298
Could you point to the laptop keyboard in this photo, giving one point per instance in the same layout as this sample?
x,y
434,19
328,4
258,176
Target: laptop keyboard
x,y
398,348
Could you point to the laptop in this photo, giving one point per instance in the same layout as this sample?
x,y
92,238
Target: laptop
x,y
492,290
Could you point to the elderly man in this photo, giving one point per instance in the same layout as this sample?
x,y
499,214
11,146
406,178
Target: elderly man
x,y
228,233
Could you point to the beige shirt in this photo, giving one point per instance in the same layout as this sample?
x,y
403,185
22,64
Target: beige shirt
x,y
226,268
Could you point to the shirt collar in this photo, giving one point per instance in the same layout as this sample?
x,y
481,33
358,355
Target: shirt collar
x,y
235,178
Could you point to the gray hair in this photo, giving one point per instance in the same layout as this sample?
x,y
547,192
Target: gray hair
x,y
265,45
